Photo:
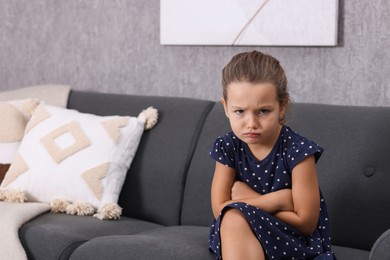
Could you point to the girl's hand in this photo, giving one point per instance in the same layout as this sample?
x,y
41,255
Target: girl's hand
x,y
242,191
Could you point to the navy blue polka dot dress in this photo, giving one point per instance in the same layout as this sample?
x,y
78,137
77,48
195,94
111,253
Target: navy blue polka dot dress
x,y
279,240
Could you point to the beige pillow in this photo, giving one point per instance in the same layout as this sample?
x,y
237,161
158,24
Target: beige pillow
x,y
14,116
55,95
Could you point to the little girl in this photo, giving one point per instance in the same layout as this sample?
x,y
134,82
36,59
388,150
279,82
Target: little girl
x,y
265,195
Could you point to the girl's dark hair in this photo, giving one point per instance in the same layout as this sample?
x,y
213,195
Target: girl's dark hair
x,y
255,67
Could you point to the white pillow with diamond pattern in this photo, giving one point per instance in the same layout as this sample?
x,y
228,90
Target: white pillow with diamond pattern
x,y
76,161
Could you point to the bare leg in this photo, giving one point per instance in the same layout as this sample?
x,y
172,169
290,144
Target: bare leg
x,y
237,238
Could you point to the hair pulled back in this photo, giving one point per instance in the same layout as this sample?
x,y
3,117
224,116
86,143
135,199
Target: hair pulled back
x,y
255,67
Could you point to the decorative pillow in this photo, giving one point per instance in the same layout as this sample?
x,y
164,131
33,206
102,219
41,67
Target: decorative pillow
x,y
14,116
76,161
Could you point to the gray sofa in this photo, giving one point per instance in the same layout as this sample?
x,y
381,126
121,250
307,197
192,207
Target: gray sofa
x,y
166,195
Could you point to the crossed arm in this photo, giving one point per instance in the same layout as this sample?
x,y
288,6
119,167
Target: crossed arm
x,y
298,207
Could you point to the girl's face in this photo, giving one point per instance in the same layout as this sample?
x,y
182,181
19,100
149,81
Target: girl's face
x,y
254,112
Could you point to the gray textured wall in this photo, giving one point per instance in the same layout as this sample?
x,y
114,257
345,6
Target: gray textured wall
x,y
113,46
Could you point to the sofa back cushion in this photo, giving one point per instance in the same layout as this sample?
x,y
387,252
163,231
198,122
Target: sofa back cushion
x,y
155,181
354,170
196,202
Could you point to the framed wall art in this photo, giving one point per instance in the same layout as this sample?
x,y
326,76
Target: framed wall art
x,y
248,22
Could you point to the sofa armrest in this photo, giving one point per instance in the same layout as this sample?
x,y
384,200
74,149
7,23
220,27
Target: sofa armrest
x,y
381,248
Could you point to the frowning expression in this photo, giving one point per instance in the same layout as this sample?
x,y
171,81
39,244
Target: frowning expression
x,y
254,112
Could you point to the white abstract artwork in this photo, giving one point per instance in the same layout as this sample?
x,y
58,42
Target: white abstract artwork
x,y
249,22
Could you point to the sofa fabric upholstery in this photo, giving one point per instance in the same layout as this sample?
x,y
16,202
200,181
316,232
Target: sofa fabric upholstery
x,y
381,247
55,236
166,194
178,242
353,172
196,203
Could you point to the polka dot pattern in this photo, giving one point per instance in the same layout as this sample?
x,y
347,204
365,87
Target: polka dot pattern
x,y
279,240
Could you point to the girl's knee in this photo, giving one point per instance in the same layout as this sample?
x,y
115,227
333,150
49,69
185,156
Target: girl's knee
x,y
233,220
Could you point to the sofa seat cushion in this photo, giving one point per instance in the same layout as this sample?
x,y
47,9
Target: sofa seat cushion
x,y
55,236
175,242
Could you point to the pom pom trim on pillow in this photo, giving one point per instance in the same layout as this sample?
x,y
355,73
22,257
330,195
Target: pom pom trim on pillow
x,y
12,195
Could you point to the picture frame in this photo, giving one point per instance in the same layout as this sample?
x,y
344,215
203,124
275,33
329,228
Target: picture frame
x,y
248,22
